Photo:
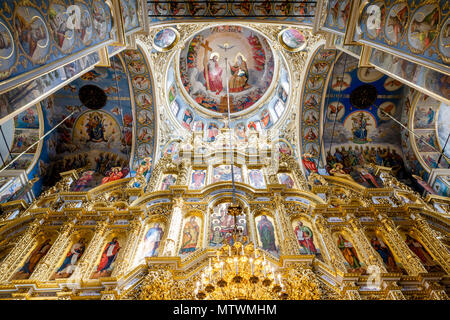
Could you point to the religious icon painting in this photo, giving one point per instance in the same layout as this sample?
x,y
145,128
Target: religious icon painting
x,y
351,256
305,237
33,259
385,109
284,147
311,116
96,128
265,119
369,74
369,15
256,178
312,100
310,133
190,235
240,131
129,14
212,131
108,257
198,179
286,179
392,84
254,126
198,126
197,8
34,36
223,173
86,31
152,239
421,252
217,7
102,20
267,235
242,8
137,67
63,35
222,225
27,119
426,141
335,111
397,19
8,51
187,119
390,261
360,124
422,29
292,39
166,39
315,82
23,139
443,42
145,116
141,83
167,181
341,83
71,258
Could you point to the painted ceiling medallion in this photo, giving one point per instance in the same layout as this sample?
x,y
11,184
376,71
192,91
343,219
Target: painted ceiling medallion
x,y
166,39
235,53
292,39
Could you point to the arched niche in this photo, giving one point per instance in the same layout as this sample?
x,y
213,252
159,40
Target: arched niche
x,y
353,257
267,232
192,231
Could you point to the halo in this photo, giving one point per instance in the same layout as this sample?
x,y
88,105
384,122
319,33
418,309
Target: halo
x,y
242,57
214,54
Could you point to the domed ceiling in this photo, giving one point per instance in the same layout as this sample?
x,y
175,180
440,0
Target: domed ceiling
x,y
216,54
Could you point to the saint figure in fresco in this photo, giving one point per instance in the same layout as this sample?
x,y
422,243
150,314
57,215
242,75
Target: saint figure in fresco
x,y
267,234
367,177
349,252
95,128
213,74
309,163
416,247
84,180
359,129
152,240
109,255
385,254
305,238
239,75
68,265
198,177
34,258
191,234
115,174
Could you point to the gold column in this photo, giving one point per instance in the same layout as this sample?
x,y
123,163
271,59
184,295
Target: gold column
x,y
289,245
89,257
130,248
337,260
432,243
409,261
23,247
170,244
370,255
47,265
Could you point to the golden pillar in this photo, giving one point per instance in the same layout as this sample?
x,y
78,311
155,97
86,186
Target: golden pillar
x,y
432,243
170,244
89,257
23,247
289,244
46,267
130,248
409,261
370,255
337,260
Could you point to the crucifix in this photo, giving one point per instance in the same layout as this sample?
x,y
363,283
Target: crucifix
x,y
205,61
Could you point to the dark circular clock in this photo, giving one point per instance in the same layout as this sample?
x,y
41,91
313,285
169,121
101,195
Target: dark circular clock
x,y
363,96
92,97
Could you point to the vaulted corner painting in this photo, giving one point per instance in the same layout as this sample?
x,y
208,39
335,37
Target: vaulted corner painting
x,y
98,135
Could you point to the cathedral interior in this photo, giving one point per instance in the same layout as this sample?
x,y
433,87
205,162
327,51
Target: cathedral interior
x,y
220,150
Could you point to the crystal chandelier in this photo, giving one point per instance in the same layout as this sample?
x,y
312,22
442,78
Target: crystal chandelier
x,y
240,272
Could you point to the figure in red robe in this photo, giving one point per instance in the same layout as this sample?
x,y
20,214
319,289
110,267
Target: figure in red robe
x,y
305,238
109,255
214,74
309,163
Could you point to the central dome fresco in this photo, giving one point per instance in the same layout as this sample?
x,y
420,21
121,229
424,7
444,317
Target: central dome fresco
x,y
219,53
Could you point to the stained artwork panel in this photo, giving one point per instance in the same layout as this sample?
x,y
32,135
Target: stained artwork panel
x,y
108,258
203,68
389,260
256,178
305,238
152,239
223,173
28,267
351,256
190,236
71,259
222,226
267,235
198,179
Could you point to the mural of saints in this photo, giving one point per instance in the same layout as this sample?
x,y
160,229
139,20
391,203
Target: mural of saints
x,y
349,253
239,75
34,258
266,232
152,240
305,239
222,226
198,179
213,74
95,128
190,237
68,265
109,255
